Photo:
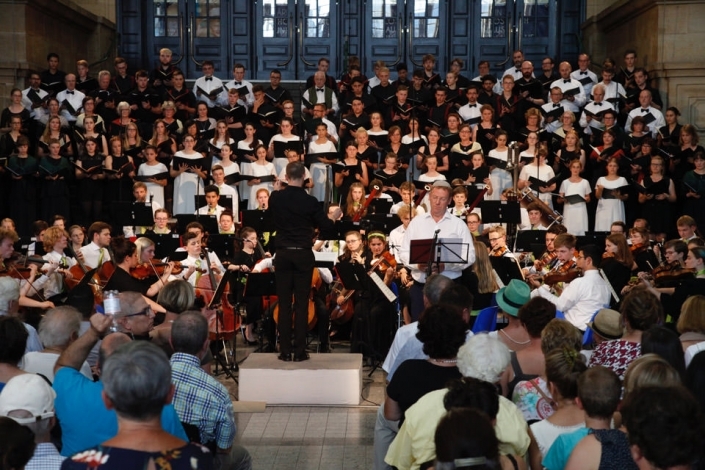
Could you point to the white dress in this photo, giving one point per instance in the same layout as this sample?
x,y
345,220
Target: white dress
x,y
186,185
609,210
575,216
408,141
259,170
245,166
544,173
229,170
501,179
153,188
546,433
320,170
279,160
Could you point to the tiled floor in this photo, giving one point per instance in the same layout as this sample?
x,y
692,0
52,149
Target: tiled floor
x,y
310,437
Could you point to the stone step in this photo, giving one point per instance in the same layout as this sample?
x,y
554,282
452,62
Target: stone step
x,y
325,379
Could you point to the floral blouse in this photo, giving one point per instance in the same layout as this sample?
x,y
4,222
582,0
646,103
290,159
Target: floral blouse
x,y
188,457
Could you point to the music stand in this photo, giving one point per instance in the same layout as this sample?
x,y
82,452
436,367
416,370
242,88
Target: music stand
x,y
261,285
133,214
164,244
438,250
209,222
507,268
383,222
351,275
261,221
222,244
380,206
502,212
592,238
526,239
178,255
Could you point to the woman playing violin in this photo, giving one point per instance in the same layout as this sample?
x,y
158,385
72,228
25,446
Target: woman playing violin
x,y
127,258
243,262
30,284
617,261
644,258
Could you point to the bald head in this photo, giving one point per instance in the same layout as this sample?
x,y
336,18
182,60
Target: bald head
x,y
564,69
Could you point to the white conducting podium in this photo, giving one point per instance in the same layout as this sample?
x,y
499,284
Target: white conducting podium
x,y
325,379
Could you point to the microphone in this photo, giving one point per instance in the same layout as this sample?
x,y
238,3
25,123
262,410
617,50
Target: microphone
x,y
437,231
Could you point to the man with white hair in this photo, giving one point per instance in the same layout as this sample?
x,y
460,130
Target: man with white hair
x,y
9,304
29,400
483,358
58,329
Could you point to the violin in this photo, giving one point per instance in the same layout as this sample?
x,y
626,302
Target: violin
x,y
145,270
671,272
546,259
638,248
21,273
499,251
568,275
385,261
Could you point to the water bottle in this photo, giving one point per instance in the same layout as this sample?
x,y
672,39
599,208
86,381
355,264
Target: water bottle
x,y
111,305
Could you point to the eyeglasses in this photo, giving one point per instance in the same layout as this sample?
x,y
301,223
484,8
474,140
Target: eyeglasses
x,y
146,311
495,239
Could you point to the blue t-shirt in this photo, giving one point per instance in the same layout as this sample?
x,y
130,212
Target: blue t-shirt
x,y
85,422
559,453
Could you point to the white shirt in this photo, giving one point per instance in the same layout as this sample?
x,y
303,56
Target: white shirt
x,y
38,112
580,75
205,265
580,299
652,127
418,210
470,113
423,227
321,98
76,100
332,131
207,86
226,190
395,240
248,99
91,255
580,97
400,338
55,282
205,211
556,123
613,90
594,108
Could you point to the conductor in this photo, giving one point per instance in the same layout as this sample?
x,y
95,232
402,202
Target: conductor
x,y
295,214
437,221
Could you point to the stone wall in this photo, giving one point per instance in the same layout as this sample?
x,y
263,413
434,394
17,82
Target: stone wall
x,y
668,36
30,29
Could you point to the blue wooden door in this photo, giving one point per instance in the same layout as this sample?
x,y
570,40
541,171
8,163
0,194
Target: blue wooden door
x,y
293,35
403,31
539,28
195,30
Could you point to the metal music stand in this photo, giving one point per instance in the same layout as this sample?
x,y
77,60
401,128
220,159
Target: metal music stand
x,y
164,244
261,285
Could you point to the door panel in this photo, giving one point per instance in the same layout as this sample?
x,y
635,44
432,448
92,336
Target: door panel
x,y
508,25
294,36
193,30
405,31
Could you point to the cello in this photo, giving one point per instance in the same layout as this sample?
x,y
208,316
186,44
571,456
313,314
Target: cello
x,y
224,324
316,283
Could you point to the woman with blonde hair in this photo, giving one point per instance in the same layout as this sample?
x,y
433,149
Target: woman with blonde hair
x,y
691,323
481,280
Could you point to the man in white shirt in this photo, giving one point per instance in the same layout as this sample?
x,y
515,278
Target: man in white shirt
x,y
319,93
96,252
652,116
71,100
584,75
243,86
223,189
208,88
139,191
584,296
212,207
591,117
320,112
37,109
470,112
576,91
437,222
613,89
556,102
194,266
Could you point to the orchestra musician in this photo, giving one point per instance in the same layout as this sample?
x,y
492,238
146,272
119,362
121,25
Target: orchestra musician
x,y
96,252
617,263
55,240
195,265
542,266
437,221
243,262
644,257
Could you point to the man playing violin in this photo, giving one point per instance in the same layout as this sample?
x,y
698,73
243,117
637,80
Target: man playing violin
x,y
548,260
586,294
498,242
195,265
55,241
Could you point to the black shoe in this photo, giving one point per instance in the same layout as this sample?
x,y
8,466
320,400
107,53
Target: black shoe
x,y
298,357
286,357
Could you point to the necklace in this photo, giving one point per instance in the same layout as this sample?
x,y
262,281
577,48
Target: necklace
x,y
443,361
513,340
